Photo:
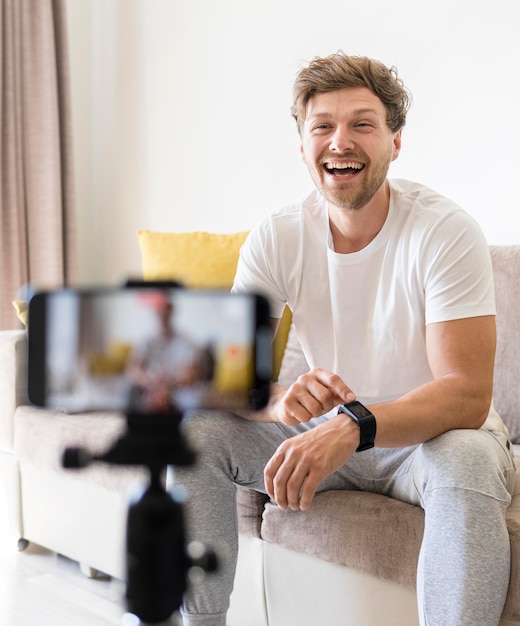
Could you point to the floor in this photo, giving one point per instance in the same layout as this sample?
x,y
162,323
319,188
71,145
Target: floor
x,y
37,587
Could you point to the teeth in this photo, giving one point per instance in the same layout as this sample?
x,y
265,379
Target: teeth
x,y
343,166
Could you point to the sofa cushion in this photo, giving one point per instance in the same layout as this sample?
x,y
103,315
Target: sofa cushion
x,y
196,259
386,542
506,395
250,507
42,435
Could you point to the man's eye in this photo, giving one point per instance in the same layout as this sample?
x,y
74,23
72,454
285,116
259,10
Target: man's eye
x,y
319,127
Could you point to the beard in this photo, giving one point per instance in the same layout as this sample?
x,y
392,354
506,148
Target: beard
x,y
352,195
349,199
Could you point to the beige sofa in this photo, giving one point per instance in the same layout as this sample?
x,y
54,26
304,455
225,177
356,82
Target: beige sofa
x,y
350,560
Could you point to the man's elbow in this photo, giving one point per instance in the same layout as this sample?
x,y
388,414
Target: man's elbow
x,y
479,409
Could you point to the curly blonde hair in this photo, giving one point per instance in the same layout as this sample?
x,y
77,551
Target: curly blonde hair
x,y
339,70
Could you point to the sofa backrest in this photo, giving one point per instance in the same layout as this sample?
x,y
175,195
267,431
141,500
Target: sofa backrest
x,y
506,396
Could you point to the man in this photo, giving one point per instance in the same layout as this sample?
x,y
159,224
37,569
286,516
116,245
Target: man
x,y
167,370
391,290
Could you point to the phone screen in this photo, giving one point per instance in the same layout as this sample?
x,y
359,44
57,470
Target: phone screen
x,y
148,350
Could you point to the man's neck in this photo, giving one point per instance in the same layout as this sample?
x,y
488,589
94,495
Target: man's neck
x,y
353,229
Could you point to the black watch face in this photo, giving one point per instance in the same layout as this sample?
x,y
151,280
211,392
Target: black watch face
x,y
358,409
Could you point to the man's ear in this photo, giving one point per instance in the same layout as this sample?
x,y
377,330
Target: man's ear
x,y
301,152
397,144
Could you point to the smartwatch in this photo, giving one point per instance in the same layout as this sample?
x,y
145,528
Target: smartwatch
x,y
365,420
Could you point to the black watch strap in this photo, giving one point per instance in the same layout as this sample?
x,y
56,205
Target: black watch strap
x,y
365,420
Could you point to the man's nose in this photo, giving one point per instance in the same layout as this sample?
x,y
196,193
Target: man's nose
x,y
341,140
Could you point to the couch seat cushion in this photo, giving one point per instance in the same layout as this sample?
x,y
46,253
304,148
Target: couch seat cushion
x,y
42,435
388,535
386,542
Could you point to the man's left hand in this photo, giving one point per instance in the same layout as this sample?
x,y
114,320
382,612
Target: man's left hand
x,y
300,463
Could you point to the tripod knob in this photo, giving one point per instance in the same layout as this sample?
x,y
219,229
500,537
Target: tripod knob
x,y
76,458
201,558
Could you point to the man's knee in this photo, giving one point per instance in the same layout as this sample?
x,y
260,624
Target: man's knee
x,y
465,459
209,432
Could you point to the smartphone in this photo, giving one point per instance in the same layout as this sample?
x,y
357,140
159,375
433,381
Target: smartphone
x,y
149,350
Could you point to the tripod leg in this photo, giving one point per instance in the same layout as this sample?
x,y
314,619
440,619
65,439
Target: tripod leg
x,y
157,562
132,620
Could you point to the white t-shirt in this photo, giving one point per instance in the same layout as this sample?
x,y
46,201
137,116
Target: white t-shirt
x,y
363,315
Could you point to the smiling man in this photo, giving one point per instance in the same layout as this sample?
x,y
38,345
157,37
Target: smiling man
x,y
391,289
344,136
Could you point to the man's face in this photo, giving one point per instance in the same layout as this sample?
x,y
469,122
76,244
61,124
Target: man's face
x,y
348,146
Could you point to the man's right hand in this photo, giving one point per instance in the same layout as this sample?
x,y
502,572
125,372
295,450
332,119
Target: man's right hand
x,y
313,394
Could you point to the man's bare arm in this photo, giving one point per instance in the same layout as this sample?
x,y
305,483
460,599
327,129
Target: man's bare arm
x,y
461,355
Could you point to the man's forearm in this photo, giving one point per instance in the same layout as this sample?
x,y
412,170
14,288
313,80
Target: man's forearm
x,y
428,411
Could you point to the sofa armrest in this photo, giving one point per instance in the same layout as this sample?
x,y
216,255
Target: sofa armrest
x,y
250,508
13,382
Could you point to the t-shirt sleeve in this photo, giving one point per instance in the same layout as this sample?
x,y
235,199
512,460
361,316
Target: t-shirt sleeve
x,y
258,267
458,276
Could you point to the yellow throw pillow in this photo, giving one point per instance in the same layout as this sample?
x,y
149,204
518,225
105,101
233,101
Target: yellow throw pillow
x,y
201,260
22,311
198,259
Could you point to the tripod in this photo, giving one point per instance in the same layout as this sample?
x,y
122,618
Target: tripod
x,y
158,560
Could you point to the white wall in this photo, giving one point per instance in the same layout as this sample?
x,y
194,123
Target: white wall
x,y
182,109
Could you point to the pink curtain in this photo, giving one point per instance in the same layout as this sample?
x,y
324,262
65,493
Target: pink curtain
x,y
37,218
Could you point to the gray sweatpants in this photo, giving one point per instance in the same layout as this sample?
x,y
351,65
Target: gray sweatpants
x,y
462,479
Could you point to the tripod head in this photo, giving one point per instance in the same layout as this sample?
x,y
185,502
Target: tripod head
x,y
158,560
